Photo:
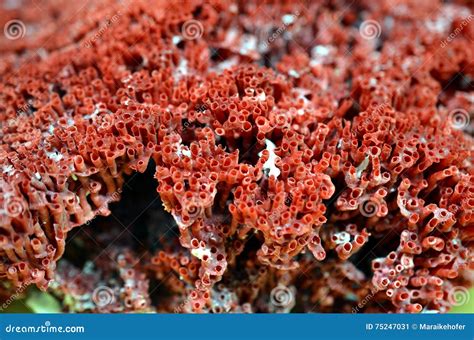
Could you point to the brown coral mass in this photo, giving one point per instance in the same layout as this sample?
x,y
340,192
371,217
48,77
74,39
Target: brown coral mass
x,y
318,149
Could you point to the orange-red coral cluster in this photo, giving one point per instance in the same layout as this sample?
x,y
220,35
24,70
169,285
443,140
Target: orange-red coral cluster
x,y
294,150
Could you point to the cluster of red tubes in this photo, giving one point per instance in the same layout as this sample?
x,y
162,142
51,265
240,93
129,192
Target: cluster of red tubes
x,y
323,161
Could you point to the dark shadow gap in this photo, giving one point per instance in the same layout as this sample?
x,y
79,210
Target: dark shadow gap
x,y
137,222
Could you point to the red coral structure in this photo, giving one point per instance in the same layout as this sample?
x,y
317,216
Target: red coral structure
x,y
314,156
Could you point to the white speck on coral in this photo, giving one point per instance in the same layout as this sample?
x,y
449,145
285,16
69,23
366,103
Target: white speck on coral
x,y
127,79
37,175
439,25
320,54
288,19
182,69
55,156
200,252
176,39
261,96
9,169
249,44
93,114
223,65
342,237
321,50
182,150
186,152
293,73
362,166
269,165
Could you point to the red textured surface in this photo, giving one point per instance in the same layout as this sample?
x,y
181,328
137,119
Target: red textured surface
x,y
355,122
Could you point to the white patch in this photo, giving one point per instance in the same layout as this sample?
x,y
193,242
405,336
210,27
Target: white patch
x,y
293,73
186,152
9,169
200,252
362,166
176,39
93,114
288,19
182,69
231,36
262,96
320,55
183,150
228,63
37,175
439,25
249,44
321,50
270,163
55,156
127,79
342,237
